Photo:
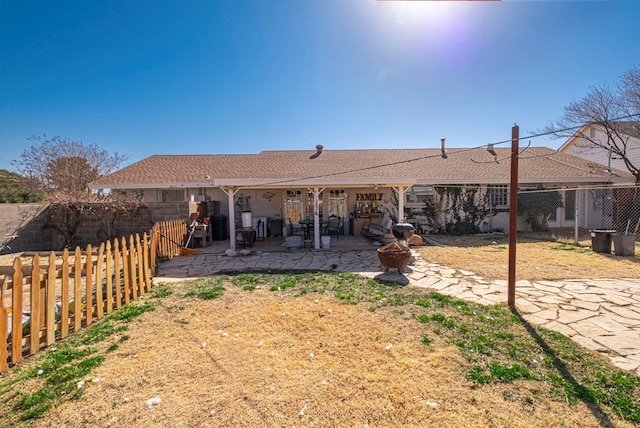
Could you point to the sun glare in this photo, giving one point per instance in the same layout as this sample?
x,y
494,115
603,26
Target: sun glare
x,y
408,13
439,30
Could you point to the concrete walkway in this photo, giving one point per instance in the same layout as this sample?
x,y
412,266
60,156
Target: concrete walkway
x,y
602,314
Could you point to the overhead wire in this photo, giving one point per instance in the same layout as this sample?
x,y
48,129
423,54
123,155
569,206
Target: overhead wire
x,y
455,152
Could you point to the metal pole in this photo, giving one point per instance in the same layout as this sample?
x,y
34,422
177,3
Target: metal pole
x,y
576,228
513,216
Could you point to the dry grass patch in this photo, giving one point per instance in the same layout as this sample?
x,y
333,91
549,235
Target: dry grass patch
x,y
282,351
537,258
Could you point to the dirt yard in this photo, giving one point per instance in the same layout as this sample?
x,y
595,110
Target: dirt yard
x,y
267,359
537,258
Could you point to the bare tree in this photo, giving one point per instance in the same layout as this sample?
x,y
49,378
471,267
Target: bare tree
x,y
63,168
616,111
70,174
630,87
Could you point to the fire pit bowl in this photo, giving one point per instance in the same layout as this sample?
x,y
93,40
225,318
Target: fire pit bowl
x,y
394,256
403,231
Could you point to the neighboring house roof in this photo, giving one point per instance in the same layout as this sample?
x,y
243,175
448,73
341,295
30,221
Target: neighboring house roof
x,y
292,168
631,129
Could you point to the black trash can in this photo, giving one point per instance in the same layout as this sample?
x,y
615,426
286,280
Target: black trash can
x,y
601,241
219,224
275,226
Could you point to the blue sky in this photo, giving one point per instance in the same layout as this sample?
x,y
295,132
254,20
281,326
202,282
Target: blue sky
x,y
143,77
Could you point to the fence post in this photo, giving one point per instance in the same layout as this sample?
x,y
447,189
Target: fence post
x,y
4,334
140,262
576,228
146,261
77,297
109,276
117,257
125,269
16,308
153,247
64,293
89,285
34,339
50,306
132,269
99,291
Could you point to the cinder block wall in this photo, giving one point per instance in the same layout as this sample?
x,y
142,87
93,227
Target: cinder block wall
x,y
22,228
97,226
39,227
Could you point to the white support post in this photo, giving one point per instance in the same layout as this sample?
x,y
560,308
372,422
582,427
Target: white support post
x,y
231,192
400,190
316,216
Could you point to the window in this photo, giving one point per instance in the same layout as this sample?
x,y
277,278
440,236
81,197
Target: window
x,y
417,196
172,195
497,196
570,205
603,200
293,205
337,203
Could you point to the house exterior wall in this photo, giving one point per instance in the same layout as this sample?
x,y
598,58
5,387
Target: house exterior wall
x,y
580,147
269,204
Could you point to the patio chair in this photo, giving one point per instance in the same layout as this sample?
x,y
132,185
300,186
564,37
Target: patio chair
x,y
295,229
334,227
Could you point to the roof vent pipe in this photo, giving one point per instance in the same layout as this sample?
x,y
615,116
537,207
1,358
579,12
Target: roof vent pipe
x,y
442,150
319,148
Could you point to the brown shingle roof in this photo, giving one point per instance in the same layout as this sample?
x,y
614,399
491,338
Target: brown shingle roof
x,y
536,165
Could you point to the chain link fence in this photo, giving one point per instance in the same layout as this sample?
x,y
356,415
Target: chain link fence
x,y
567,214
574,214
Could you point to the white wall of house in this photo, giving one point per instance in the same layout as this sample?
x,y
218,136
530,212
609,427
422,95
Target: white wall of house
x,y
580,147
594,212
595,209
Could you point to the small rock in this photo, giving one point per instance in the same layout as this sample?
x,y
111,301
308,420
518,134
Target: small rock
x,y
153,401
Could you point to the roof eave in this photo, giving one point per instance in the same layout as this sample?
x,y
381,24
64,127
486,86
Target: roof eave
x,y
151,185
323,182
